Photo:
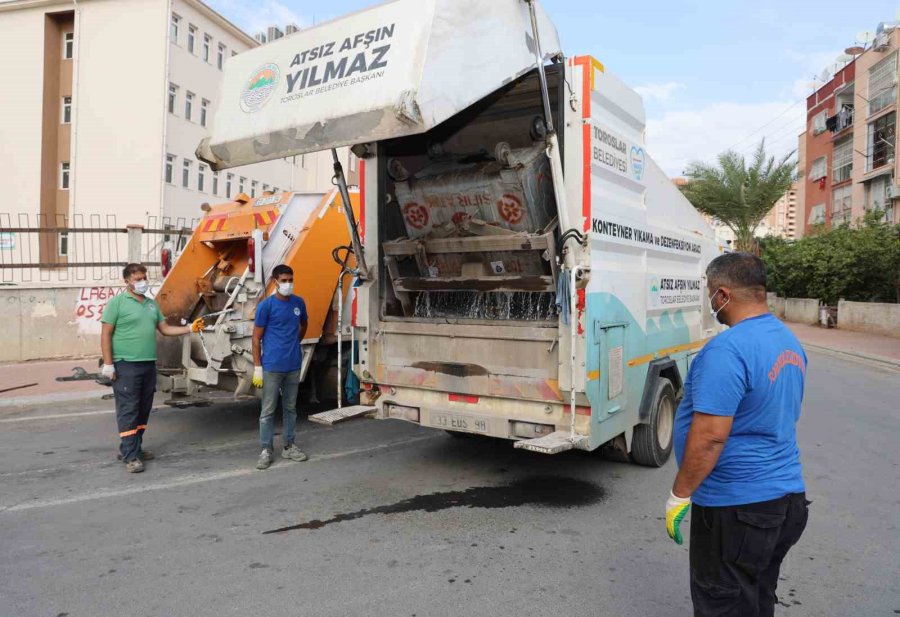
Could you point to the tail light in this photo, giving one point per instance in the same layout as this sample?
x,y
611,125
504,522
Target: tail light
x,y
251,255
165,259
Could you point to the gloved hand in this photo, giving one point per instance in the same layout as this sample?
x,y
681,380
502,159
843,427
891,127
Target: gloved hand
x,y
198,324
676,509
257,377
109,371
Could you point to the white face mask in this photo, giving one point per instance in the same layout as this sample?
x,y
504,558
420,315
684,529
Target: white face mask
x,y
141,287
712,309
286,289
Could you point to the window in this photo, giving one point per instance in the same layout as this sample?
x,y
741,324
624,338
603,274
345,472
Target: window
x,y
68,45
817,215
170,168
173,97
188,105
818,122
207,43
882,84
253,188
841,200
220,61
192,36
842,163
201,177
64,175
204,109
215,186
265,188
352,160
186,173
241,184
275,190
882,140
819,169
878,193
63,247
173,31
229,180
67,110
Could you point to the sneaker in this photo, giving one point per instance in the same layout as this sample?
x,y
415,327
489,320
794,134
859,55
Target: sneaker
x,y
265,459
294,453
135,466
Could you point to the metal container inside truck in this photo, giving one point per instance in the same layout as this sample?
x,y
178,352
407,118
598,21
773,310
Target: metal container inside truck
x,y
529,272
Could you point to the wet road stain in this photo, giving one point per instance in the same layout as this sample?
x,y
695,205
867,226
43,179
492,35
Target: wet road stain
x,y
546,491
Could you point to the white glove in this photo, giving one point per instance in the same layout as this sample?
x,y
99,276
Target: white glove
x,y
257,377
108,371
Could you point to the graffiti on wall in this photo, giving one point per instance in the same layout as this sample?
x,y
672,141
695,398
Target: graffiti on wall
x,y
89,306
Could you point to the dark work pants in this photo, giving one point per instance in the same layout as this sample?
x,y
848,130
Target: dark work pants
x,y
134,387
736,554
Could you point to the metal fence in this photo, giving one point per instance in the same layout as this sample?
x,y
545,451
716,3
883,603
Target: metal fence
x,y
84,247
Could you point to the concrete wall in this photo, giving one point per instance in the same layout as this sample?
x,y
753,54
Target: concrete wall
x,y
776,305
871,317
801,310
52,322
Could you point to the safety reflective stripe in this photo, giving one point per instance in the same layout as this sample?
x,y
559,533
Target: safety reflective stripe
x,y
140,427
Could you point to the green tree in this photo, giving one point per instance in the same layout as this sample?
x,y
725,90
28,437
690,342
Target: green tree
x,y
738,194
859,263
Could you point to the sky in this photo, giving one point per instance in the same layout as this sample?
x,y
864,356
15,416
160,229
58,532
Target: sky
x,y
714,74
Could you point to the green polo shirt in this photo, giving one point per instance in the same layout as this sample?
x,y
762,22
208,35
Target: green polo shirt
x,y
134,337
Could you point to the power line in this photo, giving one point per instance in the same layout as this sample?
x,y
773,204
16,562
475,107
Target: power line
x,y
748,136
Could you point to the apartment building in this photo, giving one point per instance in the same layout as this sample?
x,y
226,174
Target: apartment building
x,y
849,165
109,103
781,221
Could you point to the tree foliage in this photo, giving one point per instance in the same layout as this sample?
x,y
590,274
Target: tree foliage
x,y
859,263
738,194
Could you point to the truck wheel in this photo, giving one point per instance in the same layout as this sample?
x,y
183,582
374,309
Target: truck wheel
x,y
652,442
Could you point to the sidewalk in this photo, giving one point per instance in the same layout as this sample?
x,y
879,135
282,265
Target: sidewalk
x,y
45,388
883,349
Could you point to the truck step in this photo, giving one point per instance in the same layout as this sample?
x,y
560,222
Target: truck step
x,y
333,416
554,443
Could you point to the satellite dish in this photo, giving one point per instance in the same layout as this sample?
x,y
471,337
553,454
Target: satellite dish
x,y
824,75
811,85
844,58
834,68
855,50
865,37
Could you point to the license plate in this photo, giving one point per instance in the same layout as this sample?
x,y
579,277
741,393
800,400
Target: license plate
x,y
456,422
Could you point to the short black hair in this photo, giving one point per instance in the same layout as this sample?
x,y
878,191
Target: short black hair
x,y
737,270
281,269
130,269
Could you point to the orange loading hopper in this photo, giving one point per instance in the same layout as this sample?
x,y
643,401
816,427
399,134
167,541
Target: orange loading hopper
x,y
215,272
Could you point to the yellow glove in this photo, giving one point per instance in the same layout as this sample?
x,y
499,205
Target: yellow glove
x,y
198,324
257,377
676,509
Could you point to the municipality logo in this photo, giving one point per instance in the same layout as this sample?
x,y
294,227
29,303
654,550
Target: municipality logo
x,y
654,291
637,162
259,88
297,311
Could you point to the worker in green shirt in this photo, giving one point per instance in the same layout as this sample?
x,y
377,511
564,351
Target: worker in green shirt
x,y
128,343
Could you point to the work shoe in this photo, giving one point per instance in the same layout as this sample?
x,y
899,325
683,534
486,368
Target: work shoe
x,y
294,453
265,459
144,455
135,466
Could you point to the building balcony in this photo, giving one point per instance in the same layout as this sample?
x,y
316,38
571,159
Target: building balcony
x,y
841,120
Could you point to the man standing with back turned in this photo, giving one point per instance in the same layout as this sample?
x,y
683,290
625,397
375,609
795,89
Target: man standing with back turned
x,y
736,446
128,344
279,327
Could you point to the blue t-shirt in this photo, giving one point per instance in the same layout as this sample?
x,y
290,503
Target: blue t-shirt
x,y
281,340
753,372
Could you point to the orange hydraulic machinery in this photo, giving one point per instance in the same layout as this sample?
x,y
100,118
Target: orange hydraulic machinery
x,y
223,273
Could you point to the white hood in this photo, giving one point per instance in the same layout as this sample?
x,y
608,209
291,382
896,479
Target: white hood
x,y
399,68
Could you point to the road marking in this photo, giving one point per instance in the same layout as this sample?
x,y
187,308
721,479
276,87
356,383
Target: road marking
x,y
58,416
197,479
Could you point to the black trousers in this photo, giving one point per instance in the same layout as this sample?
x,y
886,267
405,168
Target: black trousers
x,y
133,388
736,554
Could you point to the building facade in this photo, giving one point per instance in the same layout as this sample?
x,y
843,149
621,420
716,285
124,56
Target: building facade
x,y
849,165
781,221
110,102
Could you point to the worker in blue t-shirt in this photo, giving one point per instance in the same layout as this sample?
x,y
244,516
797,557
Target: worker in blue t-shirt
x,y
279,327
736,445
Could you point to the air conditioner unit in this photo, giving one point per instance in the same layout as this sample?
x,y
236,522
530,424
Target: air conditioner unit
x,y
882,42
894,191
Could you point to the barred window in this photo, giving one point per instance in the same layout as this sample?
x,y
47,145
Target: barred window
x,y
883,84
843,160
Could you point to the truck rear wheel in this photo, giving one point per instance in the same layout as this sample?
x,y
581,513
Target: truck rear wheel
x,y
652,442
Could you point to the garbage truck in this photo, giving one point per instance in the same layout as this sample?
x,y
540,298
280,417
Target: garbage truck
x,y
528,272
224,271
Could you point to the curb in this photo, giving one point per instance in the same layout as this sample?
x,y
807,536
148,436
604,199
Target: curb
x,y
884,361
62,397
